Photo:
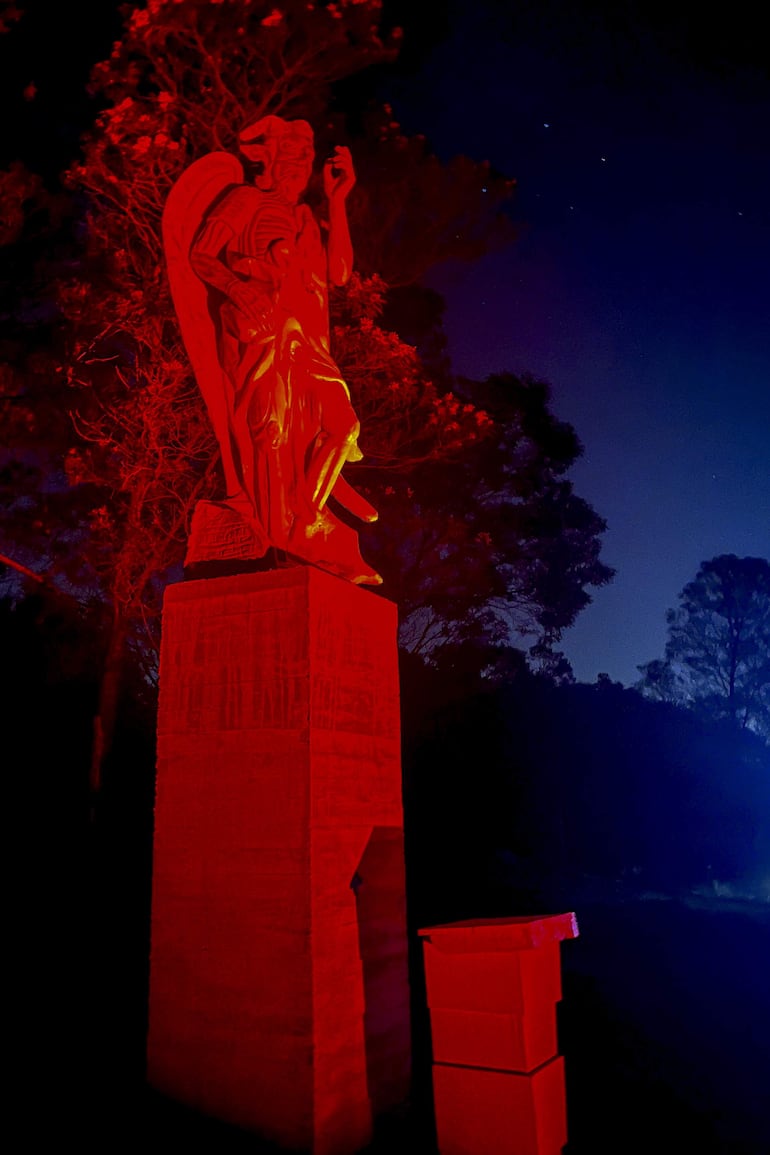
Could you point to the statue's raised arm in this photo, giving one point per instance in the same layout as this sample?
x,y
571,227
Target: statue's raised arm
x,y
249,274
339,178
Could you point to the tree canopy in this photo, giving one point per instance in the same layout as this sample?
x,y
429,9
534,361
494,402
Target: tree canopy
x,y
717,657
481,538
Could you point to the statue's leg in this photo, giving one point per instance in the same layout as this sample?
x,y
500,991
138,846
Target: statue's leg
x,y
329,419
329,455
334,548
354,502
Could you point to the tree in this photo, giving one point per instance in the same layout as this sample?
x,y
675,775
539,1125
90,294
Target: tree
x,y
41,518
718,649
118,483
484,539
182,80
507,558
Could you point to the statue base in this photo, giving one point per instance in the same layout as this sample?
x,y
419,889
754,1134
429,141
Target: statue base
x,y
223,538
279,996
219,532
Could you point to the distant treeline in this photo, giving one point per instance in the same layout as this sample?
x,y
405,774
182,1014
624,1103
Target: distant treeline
x,y
529,794
517,795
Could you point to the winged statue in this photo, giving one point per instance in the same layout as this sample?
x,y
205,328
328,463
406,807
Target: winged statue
x,y
249,267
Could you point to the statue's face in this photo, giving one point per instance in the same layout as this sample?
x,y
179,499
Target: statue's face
x,y
293,166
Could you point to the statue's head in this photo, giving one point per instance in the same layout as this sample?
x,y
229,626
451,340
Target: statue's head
x,y
280,153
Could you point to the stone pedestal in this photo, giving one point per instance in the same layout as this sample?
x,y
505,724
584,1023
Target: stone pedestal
x,y
278,983
488,1112
498,1082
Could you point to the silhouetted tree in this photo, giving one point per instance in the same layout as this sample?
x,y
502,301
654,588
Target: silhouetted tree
x,y
576,791
482,537
182,80
718,649
494,549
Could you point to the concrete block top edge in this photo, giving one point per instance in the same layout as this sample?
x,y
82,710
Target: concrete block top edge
x,y
492,935
294,577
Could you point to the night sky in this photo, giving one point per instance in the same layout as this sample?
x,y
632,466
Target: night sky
x,y
639,288
639,284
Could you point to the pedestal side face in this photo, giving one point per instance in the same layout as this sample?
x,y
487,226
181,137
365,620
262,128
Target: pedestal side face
x,y
503,1042
235,657
500,1113
493,983
356,848
231,1010
279,991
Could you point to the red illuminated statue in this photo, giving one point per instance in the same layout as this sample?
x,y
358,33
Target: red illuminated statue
x,y
249,267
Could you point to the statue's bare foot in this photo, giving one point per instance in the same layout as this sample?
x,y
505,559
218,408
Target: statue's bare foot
x,y
370,578
351,500
332,546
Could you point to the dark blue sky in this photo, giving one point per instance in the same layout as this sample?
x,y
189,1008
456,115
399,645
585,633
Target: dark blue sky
x,y
639,287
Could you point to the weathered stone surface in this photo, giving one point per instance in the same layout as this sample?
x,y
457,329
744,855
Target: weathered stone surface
x,y
492,987
499,1112
278,987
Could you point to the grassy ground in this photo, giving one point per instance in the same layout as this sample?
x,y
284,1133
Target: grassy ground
x,y
665,1029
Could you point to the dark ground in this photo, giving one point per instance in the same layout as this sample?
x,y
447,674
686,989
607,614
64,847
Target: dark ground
x,y
665,1029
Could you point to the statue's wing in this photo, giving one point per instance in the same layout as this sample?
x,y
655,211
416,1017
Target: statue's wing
x,y
198,189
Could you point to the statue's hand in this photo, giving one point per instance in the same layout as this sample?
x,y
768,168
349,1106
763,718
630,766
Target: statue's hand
x,y
339,174
254,303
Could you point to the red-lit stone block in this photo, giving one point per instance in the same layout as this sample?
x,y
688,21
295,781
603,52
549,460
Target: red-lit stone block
x,y
278,983
492,989
497,983
480,1112
505,1042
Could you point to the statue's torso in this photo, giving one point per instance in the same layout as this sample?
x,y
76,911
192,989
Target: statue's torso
x,y
272,238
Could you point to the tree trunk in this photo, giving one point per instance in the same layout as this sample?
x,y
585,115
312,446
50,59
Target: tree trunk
x,y
104,721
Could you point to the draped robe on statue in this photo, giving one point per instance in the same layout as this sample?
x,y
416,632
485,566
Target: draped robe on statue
x,y
275,395
286,389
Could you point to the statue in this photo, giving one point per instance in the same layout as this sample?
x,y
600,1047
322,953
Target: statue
x,y
249,267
